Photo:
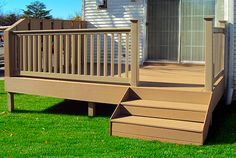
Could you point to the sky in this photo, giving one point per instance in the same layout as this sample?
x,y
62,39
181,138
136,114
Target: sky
x,y
60,8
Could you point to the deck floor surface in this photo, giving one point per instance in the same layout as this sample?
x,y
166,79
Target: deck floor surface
x,y
173,76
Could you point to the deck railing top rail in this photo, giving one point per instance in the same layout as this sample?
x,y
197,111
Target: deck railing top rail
x,y
95,55
107,30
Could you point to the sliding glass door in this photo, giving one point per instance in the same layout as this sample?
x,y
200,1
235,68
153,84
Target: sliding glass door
x,y
192,28
176,29
163,30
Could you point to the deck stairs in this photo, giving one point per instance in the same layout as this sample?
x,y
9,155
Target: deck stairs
x,y
182,117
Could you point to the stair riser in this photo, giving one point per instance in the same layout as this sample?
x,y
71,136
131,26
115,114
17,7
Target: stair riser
x,y
165,113
119,134
173,96
157,133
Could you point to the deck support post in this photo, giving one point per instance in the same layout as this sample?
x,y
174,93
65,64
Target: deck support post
x,y
91,109
209,53
134,53
10,101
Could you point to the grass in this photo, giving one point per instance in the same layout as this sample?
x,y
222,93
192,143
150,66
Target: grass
x,y
49,127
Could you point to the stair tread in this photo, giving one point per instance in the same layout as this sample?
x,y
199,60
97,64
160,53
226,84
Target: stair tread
x,y
161,123
167,105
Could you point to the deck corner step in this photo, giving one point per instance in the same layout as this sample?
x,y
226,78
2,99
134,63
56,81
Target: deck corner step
x,y
167,105
161,123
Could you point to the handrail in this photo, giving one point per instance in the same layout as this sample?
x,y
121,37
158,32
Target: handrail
x,y
61,31
215,52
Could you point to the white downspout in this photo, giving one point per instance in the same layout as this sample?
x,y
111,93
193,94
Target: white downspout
x,y
83,10
229,16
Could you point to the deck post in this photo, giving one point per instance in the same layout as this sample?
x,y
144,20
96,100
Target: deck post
x,y
209,53
134,53
9,53
91,109
10,101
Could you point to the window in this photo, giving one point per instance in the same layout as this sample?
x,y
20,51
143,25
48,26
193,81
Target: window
x,y
102,4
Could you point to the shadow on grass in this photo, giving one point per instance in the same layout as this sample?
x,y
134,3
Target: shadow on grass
x,y
223,129
70,107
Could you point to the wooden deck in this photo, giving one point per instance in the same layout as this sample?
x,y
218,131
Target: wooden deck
x,y
173,76
167,102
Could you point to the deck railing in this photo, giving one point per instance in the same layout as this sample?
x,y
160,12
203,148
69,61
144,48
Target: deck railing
x,y
215,53
94,55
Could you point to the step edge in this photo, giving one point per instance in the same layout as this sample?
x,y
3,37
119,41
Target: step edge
x,y
195,131
156,107
156,138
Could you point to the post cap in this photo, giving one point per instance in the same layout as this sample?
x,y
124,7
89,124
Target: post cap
x,y
223,21
209,18
134,21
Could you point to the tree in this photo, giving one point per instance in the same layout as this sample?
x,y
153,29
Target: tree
x,y
37,10
76,17
9,19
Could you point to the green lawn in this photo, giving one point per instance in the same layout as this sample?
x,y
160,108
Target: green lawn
x,y
48,127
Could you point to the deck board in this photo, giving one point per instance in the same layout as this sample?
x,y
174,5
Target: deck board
x,y
173,76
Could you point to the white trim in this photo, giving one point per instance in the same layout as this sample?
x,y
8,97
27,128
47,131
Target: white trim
x,y
83,9
226,10
180,23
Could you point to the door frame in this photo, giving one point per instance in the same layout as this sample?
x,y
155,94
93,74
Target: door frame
x,y
146,37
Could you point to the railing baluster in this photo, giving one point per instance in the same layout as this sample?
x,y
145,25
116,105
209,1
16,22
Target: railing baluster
x,y
85,55
73,53
98,54
39,53
70,53
79,55
34,53
119,55
105,54
127,56
112,54
45,53
21,52
25,67
67,49
50,53
61,54
29,53
55,54
92,54
16,41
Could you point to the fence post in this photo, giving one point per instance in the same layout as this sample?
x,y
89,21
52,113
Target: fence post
x,y
9,53
224,41
209,53
134,53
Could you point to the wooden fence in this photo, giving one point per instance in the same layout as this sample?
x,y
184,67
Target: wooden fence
x,y
74,53
215,52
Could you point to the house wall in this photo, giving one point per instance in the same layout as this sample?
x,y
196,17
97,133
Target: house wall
x,y
117,15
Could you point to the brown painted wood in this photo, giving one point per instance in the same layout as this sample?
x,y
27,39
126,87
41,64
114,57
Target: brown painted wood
x,y
167,105
91,109
10,101
120,134
174,114
98,93
29,53
157,132
50,68
161,123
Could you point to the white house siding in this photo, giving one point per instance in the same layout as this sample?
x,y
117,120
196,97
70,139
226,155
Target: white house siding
x,y
117,15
